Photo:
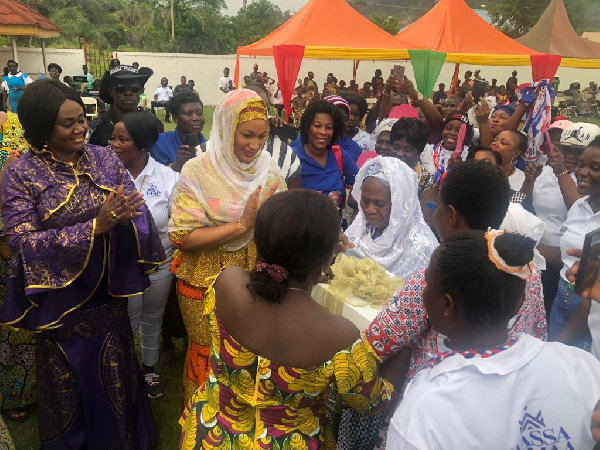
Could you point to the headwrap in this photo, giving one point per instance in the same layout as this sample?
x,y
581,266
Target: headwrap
x,y
508,109
338,101
384,125
214,187
540,95
254,110
407,243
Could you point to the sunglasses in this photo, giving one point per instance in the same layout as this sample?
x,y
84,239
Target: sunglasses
x,y
120,89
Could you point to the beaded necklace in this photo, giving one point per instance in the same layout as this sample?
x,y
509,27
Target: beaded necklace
x,y
473,353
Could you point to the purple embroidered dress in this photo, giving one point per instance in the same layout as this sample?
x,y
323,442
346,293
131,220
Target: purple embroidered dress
x,y
71,287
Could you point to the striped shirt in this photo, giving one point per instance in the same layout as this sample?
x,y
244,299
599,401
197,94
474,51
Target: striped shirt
x,y
286,158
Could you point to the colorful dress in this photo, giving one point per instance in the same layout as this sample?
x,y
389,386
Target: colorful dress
x,y
212,190
17,348
70,286
6,442
252,402
10,83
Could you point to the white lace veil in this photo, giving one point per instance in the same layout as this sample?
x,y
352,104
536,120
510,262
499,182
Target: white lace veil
x,y
407,243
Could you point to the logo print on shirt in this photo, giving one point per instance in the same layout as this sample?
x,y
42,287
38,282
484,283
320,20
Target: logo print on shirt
x,y
153,191
535,434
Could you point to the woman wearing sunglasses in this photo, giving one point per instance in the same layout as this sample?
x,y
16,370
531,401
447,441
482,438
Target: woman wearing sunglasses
x,y
121,87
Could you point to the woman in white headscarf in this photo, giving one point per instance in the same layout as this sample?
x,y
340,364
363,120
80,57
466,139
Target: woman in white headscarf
x,y
380,139
389,227
214,209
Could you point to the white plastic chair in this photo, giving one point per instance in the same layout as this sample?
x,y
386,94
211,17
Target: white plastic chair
x,y
91,107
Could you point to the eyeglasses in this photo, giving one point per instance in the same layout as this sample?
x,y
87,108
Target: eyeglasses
x,y
120,89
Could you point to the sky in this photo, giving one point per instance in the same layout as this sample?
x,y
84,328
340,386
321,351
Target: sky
x,y
234,5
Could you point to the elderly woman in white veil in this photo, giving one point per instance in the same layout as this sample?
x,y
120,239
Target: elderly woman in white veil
x,y
214,210
389,227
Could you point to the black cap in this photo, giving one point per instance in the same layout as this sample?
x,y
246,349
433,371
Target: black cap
x,y
123,74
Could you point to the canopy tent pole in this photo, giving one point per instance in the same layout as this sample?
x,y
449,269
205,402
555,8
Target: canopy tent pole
x,y
13,41
455,78
44,55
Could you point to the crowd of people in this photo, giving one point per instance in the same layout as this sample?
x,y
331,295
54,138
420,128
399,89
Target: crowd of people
x,y
117,227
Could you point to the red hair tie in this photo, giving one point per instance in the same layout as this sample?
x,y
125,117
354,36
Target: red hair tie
x,y
276,272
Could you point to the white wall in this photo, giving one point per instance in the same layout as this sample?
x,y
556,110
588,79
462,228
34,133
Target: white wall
x,y
206,70
30,59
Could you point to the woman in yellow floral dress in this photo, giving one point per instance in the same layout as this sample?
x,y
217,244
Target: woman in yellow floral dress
x,y
17,348
274,351
214,209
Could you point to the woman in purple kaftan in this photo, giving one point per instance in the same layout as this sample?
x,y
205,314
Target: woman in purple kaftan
x,y
81,246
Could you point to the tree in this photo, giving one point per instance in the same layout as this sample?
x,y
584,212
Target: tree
x,y
389,24
172,20
257,20
517,17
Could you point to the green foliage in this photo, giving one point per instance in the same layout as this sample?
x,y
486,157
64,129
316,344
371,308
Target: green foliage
x,y
517,17
389,24
145,25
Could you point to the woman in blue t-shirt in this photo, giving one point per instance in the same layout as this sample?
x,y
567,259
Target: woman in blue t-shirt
x,y
14,83
325,166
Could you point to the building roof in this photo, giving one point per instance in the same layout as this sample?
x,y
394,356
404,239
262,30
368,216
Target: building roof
x,y
17,19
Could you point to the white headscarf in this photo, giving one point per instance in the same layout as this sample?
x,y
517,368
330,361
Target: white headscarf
x,y
214,187
407,243
384,125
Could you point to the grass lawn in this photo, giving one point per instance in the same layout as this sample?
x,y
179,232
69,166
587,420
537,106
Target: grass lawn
x,y
166,409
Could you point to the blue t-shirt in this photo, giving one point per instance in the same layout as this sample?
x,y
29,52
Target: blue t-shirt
x,y
165,149
328,179
350,146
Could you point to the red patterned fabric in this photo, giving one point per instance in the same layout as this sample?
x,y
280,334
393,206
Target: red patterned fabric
x,y
403,323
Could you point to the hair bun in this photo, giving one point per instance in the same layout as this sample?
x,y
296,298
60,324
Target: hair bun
x,y
515,249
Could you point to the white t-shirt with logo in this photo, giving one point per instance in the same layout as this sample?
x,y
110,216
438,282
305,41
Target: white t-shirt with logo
x,y
157,183
533,395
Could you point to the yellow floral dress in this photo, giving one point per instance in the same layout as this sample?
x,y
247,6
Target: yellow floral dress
x,y
250,402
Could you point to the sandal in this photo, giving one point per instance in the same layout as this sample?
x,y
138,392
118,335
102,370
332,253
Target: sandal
x,y
17,415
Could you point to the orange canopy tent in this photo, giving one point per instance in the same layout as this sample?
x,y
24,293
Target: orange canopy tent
x,y
322,29
555,35
330,29
454,28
